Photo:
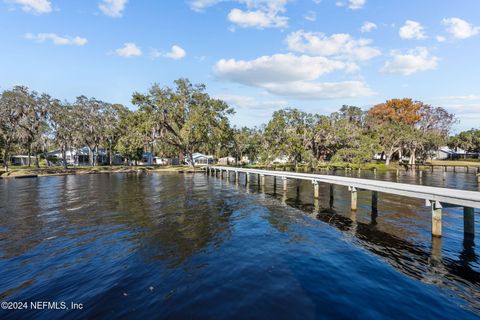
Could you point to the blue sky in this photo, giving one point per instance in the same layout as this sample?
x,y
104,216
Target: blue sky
x,y
258,55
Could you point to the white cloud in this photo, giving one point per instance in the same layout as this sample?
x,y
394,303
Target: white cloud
x,y
341,45
418,59
128,50
260,14
201,5
291,75
34,6
277,68
310,16
320,90
356,4
256,19
247,102
412,30
440,38
112,8
56,39
368,27
176,53
257,14
459,28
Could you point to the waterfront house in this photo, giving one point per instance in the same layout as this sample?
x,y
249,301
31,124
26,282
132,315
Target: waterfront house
x,y
200,158
80,157
444,153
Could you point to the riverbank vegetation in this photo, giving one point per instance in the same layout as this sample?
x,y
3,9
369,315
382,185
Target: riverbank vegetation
x,y
180,120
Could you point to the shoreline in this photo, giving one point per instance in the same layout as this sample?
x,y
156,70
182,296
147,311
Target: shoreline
x,y
23,173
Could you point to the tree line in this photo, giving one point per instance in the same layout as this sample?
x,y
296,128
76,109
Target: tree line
x,y
180,120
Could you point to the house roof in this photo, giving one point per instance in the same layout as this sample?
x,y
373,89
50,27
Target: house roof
x,y
201,155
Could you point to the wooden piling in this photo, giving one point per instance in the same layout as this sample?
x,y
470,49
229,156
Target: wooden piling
x,y
284,183
316,193
469,221
262,179
332,197
374,201
436,218
353,192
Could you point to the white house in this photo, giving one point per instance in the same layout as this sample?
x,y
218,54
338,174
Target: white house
x,y
80,156
200,158
447,153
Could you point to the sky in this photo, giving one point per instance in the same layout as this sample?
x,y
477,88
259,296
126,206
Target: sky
x,y
257,55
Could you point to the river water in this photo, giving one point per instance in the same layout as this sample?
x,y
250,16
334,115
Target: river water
x,y
175,246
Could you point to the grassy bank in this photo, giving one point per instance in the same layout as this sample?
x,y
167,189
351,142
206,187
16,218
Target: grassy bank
x,y
16,171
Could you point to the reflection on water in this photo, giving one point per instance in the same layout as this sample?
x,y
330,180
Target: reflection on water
x,y
174,246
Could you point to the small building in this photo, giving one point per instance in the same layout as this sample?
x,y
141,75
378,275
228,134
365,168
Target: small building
x,y
21,160
226,160
200,158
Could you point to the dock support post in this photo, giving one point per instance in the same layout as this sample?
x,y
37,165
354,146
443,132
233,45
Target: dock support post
x,y
436,218
236,175
374,201
316,193
331,196
246,177
353,192
469,221
284,183
262,179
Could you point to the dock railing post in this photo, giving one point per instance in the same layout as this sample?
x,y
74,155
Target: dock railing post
x,y
469,221
353,192
436,218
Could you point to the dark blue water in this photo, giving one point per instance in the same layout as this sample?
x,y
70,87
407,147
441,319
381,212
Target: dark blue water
x,y
174,246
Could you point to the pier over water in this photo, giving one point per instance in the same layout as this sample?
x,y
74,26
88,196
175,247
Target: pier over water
x,y
435,197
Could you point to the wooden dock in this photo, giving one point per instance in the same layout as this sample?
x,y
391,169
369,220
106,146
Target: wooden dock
x,y
436,198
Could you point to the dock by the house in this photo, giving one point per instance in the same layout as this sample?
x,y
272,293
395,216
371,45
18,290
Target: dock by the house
x,y
435,197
